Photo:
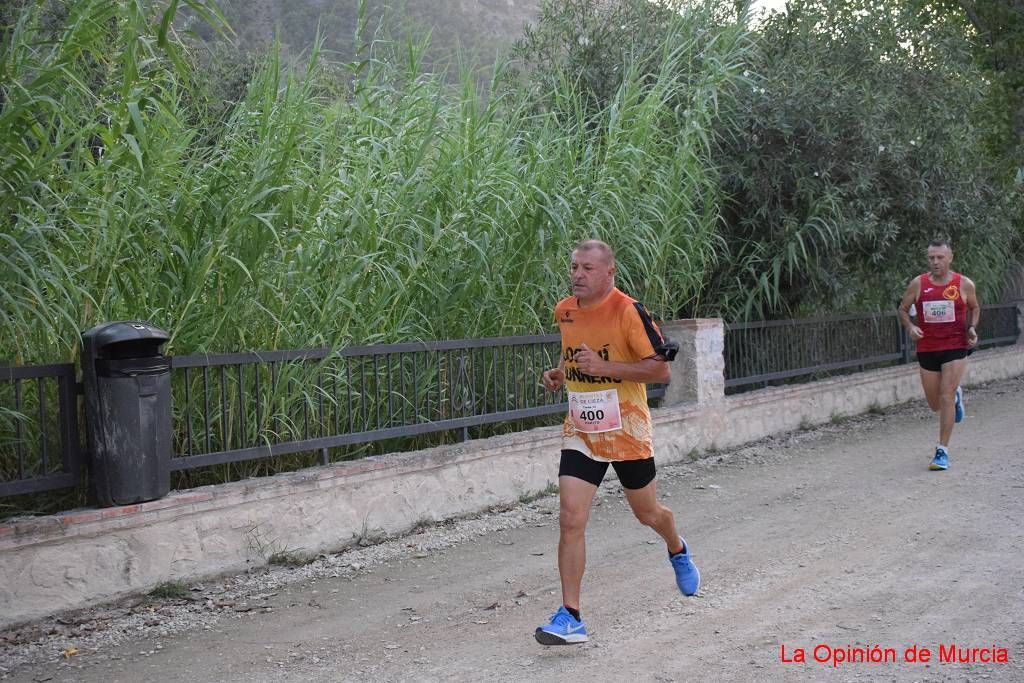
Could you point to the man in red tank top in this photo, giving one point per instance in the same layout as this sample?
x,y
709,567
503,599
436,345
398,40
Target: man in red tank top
x,y
945,330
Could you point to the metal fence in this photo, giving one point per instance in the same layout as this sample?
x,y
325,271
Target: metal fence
x,y
40,440
248,406
245,406
758,354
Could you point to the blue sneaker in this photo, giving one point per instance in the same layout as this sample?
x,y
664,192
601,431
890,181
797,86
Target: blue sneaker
x,y
940,461
563,629
959,405
687,574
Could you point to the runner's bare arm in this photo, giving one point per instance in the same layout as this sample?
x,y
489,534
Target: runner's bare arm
x,y
903,310
970,293
652,370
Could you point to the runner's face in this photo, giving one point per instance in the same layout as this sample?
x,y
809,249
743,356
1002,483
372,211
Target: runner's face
x,y
939,259
591,274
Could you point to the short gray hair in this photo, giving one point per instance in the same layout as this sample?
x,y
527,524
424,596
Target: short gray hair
x,y
597,245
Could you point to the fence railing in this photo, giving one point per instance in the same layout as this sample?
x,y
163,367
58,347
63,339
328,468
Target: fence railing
x,y
40,439
998,325
762,352
757,353
247,406
244,406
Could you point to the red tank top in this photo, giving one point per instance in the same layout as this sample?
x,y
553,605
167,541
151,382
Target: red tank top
x,y
941,315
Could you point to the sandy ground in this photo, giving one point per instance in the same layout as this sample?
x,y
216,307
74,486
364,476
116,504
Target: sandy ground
x,y
823,540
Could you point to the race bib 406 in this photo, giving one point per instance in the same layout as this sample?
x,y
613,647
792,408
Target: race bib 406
x,y
938,311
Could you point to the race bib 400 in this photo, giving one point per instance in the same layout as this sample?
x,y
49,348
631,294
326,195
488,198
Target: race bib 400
x,y
595,411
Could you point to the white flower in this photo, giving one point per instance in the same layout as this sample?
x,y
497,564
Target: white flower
x,y
881,148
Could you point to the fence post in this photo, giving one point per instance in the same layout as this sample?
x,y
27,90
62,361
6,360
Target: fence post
x,y
1020,323
904,344
698,373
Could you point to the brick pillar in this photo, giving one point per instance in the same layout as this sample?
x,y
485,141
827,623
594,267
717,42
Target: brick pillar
x,y
698,373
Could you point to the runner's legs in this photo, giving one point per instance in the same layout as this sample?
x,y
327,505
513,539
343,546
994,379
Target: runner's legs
x,y
575,498
650,512
952,373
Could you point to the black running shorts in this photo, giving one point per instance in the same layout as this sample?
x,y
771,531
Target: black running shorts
x,y
633,474
933,360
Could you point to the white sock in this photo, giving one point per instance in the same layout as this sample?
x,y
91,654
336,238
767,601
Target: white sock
x,y
942,448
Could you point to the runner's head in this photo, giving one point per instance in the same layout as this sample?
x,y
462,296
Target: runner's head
x,y
940,256
592,269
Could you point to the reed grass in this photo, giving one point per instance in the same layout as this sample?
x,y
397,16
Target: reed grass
x,y
387,206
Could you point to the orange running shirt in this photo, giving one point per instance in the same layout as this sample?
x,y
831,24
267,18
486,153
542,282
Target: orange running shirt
x,y
608,418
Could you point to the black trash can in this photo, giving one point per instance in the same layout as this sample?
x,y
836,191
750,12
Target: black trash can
x,y
127,384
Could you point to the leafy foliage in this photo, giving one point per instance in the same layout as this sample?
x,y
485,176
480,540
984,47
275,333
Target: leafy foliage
x,y
861,139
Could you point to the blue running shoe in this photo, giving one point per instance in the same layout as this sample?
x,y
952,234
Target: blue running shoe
x,y
564,629
940,461
687,574
959,405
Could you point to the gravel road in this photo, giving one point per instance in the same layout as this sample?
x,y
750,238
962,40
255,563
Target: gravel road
x,y
836,543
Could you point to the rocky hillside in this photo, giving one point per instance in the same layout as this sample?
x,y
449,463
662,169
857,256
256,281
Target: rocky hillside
x,y
480,28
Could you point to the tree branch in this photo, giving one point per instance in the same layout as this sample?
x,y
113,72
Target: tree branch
x,y
971,10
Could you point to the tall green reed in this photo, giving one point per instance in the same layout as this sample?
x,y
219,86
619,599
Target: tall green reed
x,y
388,206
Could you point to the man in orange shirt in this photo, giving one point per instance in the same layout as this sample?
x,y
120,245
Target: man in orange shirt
x,y
610,349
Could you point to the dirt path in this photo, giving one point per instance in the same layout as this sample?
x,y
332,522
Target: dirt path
x,y
836,537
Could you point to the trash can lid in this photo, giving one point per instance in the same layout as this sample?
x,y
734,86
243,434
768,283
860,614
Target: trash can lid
x,y
106,334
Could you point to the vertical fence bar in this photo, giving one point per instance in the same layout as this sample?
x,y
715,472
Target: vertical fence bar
x,y
463,393
494,378
19,429
206,409
535,348
40,392
187,413
242,441
337,402
68,407
364,414
376,391
321,418
348,389
305,405
256,388
274,421
904,345
223,408
391,392
415,392
515,378
442,376
402,394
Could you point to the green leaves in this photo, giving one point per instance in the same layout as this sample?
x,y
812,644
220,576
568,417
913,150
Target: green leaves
x,y
863,138
245,202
